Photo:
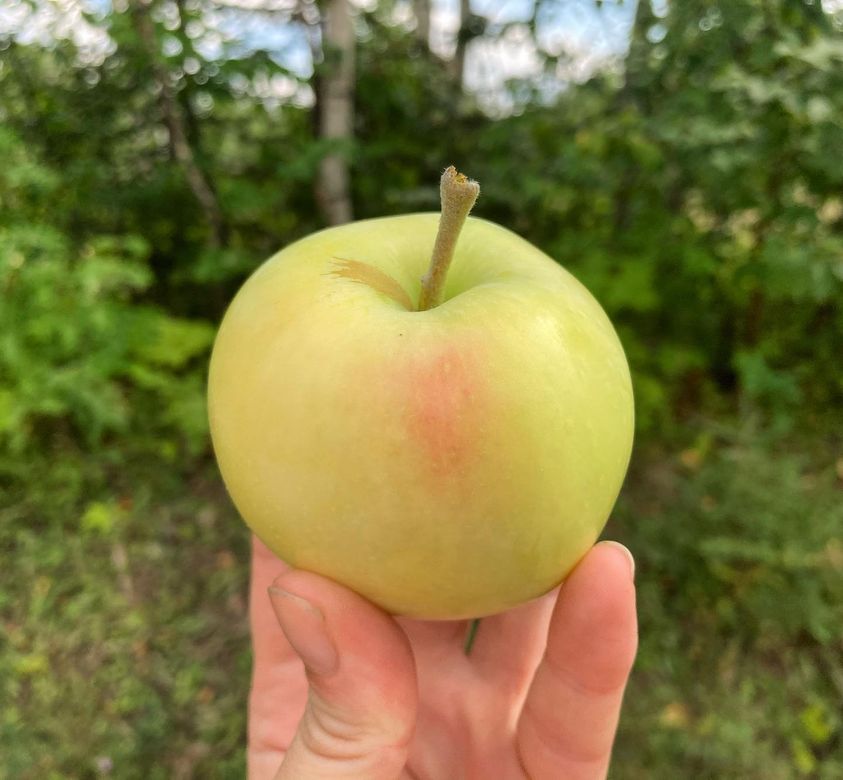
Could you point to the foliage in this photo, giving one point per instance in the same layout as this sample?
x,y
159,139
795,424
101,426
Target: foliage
x,y
700,202
78,352
740,580
698,178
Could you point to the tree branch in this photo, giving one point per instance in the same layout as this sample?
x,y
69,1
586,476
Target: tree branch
x,y
175,123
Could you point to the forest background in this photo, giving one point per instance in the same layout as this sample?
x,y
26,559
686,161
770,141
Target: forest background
x,y
682,158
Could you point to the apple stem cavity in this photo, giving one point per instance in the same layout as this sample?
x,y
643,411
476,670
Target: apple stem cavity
x,y
458,194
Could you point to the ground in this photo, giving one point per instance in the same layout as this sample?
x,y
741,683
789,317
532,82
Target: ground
x,y
126,652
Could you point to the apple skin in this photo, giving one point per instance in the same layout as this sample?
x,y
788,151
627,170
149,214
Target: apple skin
x,y
448,463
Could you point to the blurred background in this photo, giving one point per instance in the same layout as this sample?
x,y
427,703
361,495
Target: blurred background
x,y
682,158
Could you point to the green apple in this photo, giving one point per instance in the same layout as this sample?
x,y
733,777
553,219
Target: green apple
x,y
448,462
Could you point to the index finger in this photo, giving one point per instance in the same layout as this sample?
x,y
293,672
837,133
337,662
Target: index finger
x,y
571,713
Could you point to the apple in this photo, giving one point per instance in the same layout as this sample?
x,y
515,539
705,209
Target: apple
x,y
445,460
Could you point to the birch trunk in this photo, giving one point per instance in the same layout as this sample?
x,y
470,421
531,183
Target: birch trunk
x,y
336,111
421,10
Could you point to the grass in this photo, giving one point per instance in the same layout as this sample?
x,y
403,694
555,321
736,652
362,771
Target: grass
x,y
125,654
740,572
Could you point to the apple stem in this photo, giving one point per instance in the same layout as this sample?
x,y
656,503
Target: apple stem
x,y
471,635
458,194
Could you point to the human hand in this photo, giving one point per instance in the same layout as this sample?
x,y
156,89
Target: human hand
x,y
380,698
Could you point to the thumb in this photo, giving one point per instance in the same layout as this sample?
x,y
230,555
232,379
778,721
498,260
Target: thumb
x,y
361,707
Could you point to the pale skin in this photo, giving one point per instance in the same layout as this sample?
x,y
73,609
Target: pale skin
x,y
368,696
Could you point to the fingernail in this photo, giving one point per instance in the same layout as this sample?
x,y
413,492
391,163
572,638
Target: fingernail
x,y
627,555
305,629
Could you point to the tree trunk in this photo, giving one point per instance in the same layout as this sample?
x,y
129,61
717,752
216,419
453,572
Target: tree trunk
x,y
335,95
636,71
463,35
630,96
180,147
421,9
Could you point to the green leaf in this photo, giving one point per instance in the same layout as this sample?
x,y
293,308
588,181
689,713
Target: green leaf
x,y
817,723
99,518
760,382
169,341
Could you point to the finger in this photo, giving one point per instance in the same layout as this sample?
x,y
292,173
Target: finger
x,y
361,709
434,636
570,716
509,646
279,687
